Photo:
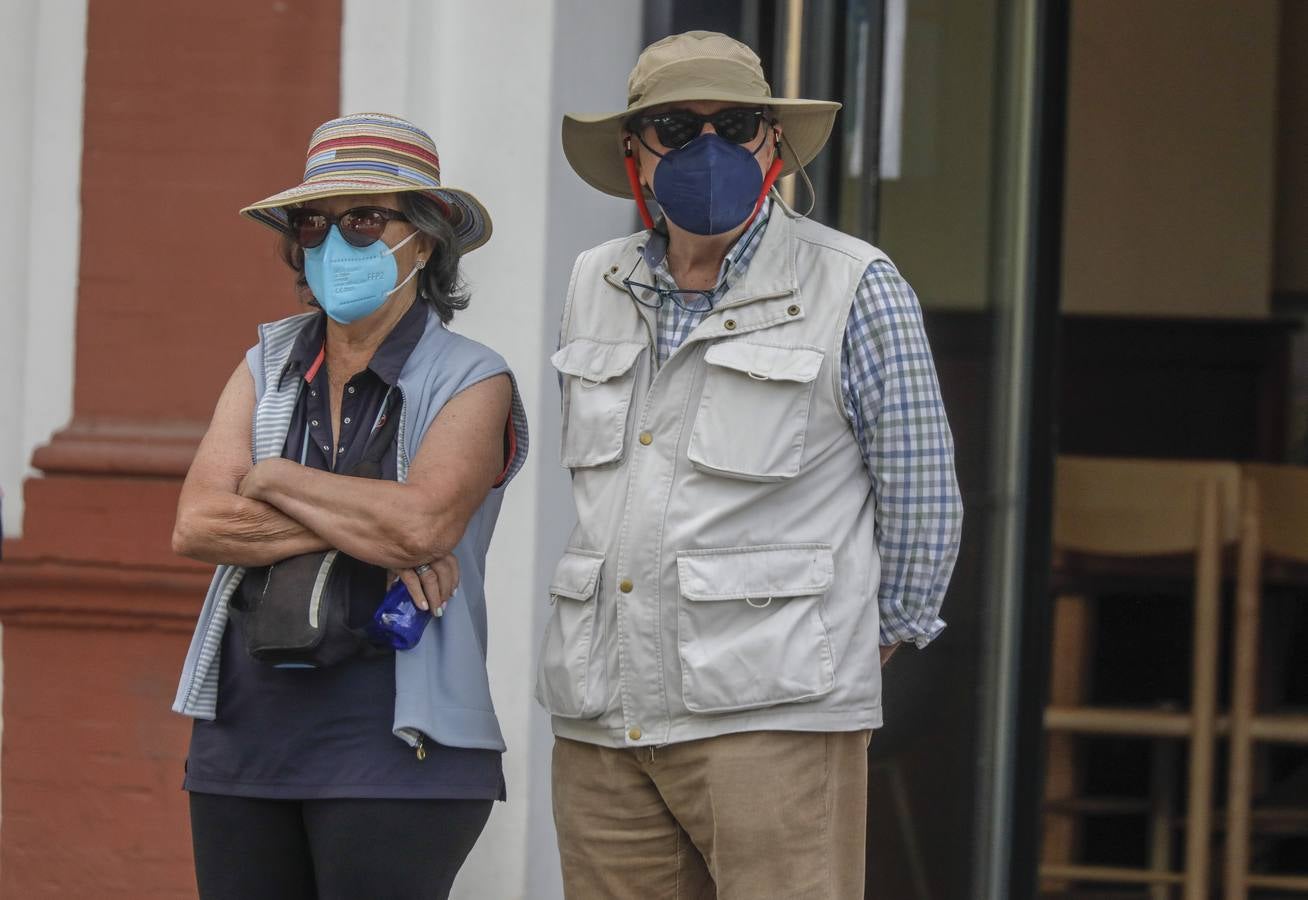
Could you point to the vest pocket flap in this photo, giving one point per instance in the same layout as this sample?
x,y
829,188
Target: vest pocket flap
x,y
755,573
766,363
596,361
576,575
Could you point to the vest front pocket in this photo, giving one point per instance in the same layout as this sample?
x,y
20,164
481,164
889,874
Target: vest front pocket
x,y
570,678
599,380
753,411
750,629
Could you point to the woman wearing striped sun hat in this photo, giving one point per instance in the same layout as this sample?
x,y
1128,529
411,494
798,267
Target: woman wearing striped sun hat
x,y
372,775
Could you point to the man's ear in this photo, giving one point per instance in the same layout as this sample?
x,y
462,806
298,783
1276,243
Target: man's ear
x,y
633,145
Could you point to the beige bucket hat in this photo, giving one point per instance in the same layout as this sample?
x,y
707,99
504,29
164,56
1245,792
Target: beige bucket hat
x,y
696,65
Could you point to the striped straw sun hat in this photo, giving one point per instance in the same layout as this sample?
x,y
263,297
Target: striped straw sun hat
x,y
373,153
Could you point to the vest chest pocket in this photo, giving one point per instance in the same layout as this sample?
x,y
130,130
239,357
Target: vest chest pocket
x,y
599,380
750,631
570,677
753,412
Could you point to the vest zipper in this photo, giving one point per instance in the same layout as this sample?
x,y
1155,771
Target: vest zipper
x,y
420,751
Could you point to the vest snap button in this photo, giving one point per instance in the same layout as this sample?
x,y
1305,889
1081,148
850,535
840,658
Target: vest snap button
x,y
646,438
634,734
625,585
792,310
730,324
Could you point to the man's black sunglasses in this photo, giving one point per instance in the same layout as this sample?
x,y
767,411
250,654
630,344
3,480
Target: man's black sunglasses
x,y
678,127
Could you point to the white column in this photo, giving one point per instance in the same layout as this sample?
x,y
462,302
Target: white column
x,y
42,63
490,82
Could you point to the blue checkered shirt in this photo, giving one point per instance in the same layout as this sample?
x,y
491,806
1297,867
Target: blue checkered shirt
x,y
892,399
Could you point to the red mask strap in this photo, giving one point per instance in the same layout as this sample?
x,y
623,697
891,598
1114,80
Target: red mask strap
x,y
774,172
636,190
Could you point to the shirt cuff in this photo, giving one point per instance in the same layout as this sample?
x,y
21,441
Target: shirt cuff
x,y
916,633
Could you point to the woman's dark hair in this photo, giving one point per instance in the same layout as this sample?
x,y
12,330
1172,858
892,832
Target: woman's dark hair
x,y
439,284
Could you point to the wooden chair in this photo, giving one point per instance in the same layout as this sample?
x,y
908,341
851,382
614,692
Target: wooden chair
x,y
1274,526
1124,512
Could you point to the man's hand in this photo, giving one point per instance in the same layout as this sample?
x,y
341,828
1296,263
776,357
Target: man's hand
x,y
887,652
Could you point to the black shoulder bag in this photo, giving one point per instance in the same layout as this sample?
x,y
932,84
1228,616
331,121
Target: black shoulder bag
x,y
310,611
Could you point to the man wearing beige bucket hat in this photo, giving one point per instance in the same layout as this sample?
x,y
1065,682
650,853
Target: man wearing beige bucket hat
x,y
764,481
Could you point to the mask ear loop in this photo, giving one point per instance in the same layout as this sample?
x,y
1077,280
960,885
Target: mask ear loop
x,y
636,191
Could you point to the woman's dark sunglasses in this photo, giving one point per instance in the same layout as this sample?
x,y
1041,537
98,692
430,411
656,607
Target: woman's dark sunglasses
x,y
678,127
360,226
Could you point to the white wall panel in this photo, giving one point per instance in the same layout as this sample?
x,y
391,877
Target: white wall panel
x,y
42,63
490,81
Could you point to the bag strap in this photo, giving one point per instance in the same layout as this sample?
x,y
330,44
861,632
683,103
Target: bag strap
x,y
379,442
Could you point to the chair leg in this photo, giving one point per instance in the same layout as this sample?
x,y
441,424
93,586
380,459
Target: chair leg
x,y
1203,701
1068,687
1244,684
1162,804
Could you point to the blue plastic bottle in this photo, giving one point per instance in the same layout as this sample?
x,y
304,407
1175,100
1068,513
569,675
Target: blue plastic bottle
x,y
398,621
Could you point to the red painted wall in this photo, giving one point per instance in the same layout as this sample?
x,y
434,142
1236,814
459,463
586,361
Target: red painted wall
x,y
192,110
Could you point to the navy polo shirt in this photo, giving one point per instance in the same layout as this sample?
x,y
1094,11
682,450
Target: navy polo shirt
x,y
303,734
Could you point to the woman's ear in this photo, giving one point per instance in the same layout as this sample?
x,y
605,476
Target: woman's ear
x,y
426,249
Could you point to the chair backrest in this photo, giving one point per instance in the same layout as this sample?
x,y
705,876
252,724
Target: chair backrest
x,y
1134,507
1282,493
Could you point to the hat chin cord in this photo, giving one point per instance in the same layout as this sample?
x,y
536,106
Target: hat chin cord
x,y
773,173
808,183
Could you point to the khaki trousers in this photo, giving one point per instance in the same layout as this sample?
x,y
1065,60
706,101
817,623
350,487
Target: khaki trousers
x,y
757,815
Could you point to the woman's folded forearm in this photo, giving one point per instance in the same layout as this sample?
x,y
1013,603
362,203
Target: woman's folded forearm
x,y
234,530
381,522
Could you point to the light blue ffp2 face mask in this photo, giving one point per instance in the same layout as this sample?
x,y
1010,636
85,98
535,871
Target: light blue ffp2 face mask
x,y
352,282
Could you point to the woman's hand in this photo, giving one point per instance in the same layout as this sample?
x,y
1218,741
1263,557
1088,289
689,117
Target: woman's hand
x,y
432,587
260,475
249,484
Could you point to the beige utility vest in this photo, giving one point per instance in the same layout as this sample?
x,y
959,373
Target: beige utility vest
x,y
723,575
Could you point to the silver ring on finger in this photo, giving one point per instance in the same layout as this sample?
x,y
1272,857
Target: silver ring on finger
x,y
423,569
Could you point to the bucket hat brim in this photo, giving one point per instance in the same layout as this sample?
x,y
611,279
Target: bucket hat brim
x,y
471,222
593,143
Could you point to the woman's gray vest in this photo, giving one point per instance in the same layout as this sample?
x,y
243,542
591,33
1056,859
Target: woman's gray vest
x,y
441,688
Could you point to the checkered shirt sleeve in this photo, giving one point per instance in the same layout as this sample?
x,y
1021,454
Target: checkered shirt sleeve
x,y
892,398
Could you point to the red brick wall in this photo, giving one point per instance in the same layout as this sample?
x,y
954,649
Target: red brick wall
x,y
192,109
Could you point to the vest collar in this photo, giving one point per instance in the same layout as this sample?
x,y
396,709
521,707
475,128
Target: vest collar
x,y
771,272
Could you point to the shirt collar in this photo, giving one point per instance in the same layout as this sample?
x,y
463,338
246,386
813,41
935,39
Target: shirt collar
x,y
387,360
304,352
734,264
394,351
